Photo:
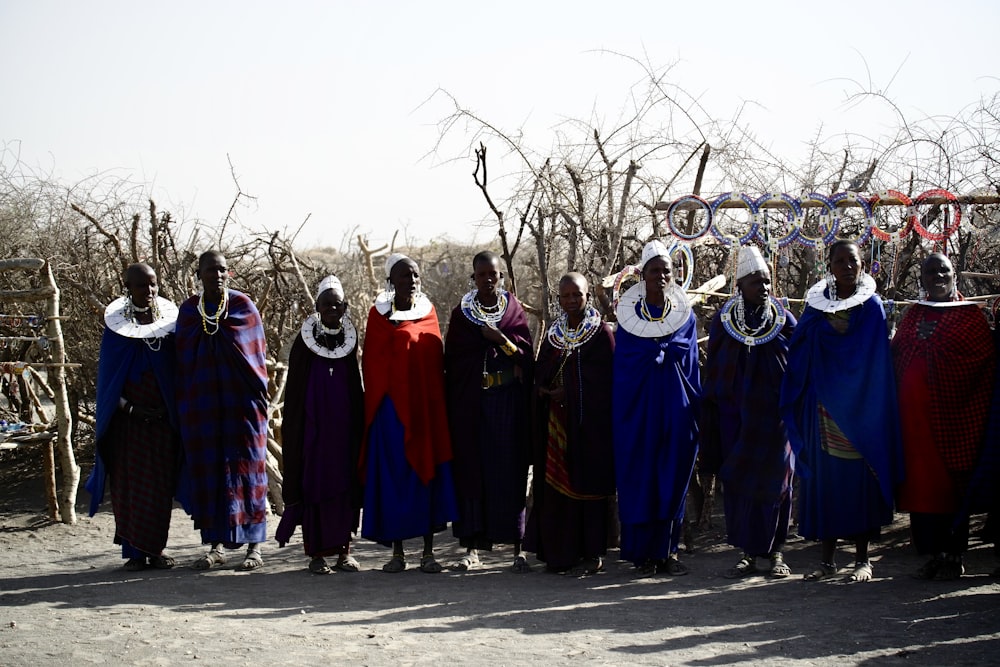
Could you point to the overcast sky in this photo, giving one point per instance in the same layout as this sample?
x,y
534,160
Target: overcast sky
x,y
321,105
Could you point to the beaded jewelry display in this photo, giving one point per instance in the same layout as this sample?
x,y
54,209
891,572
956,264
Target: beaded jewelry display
x,y
828,223
385,304
479,314
818,299
119,317
313,330
894,236
213,321
685,250
866,208
949,228
793,220
754,220
676,310
563,337
735,323
674,207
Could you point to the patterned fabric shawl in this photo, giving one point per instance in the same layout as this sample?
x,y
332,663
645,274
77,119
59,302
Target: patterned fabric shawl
x,y
851,375
746,381
118,357
222,400
465,351
960,362
406,363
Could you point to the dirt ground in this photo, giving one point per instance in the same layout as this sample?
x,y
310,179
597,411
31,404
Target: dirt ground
x,y
64,599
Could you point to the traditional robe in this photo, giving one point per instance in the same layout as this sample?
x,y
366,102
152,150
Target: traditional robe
x,y
489,428
573,453
142,458
945,389
321,429
406,451
838,401
743,438
656,402
222,397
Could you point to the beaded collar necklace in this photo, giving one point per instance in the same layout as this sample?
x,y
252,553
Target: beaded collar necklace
x,y
477,313
564,337
214,321
771,323
313,330
119,317
817,296
676,310
945,304
386,305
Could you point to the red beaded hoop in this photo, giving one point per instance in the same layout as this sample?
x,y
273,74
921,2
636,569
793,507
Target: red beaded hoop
x,y
950,229
882,235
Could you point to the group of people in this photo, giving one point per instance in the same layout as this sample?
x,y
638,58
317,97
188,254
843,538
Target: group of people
x,y
431,431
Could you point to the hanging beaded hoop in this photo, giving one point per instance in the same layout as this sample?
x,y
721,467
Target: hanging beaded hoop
x,y
897,235
776,316
950,228
754,222
793,218
673,208
828,223
685,250
866,208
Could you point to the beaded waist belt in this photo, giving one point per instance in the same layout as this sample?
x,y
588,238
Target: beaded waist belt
x,y
498,379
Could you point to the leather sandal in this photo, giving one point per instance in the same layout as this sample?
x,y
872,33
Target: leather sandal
x,y
747,565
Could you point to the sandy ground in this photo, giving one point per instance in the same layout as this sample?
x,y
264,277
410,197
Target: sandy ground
x,y
64,599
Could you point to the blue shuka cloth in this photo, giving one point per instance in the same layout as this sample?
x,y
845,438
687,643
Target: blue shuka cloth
x,y
122,358
655,408
851,375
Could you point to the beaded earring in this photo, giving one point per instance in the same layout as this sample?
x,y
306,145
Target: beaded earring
x,y
472,284
501,284
922,294
831,285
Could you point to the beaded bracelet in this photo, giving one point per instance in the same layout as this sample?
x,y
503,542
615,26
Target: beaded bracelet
x,y
754,222
764,232
828,230
949,229
508,348
911,216
672,209
866,208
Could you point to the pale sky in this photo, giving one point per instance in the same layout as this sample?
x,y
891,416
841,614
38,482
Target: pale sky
x,y
321,105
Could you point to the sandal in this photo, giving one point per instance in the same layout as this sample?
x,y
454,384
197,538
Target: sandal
x,y
746,565
134,564
464,564
521,565
429,565
347,563
673,566
862,572
162,562
951,569
824,571
588,567
929,569
211,559
649,568
779,569
397,564
318,565
253,559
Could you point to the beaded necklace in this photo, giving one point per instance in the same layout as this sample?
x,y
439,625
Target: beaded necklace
x,y
564,337
648,316
336,343
772,321
632,319
477,313
120,318
215,320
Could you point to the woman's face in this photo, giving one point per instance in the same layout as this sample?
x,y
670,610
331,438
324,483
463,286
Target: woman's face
x,y
141,284
405,278
486,275
846,267
573,296
937,276
755,287
331,308
657,274
212,272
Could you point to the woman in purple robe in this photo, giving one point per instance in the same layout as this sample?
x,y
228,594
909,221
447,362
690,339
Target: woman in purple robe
x,y
321,430
488,364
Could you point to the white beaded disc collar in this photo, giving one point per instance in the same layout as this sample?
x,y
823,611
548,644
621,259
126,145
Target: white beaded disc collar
x,y
946,304
116,320
421,307
308,332
817,298
680,309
